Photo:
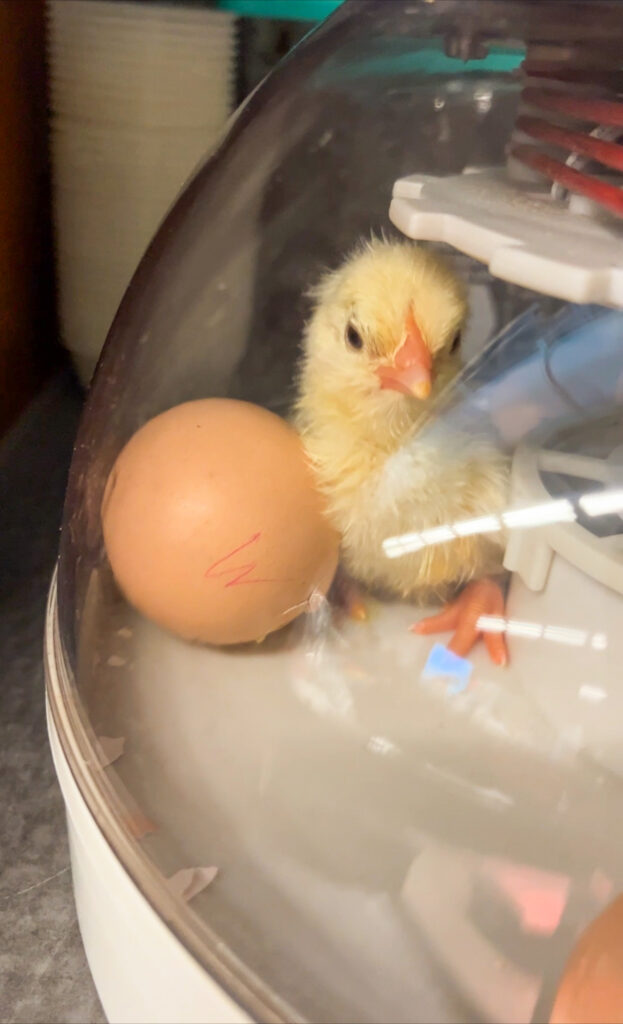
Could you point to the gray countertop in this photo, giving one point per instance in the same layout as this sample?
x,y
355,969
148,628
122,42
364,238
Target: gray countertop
x,y
44,975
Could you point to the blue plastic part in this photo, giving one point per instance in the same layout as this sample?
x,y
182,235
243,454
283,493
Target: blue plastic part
x,y
430,59
433,61
285,10
445,664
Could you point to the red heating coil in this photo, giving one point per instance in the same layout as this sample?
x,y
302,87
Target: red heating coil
x,y
578,141
584,108
610,154
610,196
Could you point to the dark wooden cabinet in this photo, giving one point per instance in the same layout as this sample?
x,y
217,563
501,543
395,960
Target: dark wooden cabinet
x,y
28,330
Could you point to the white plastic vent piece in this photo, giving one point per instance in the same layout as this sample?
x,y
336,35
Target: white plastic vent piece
x,y
529,552
523,235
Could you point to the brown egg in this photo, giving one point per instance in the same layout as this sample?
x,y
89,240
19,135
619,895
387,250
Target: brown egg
x,y
212,524
591,990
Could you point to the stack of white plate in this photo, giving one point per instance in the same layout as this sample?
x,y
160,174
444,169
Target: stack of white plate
x,y
139,94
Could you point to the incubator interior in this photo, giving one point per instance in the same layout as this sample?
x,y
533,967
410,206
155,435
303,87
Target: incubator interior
x,y
399,832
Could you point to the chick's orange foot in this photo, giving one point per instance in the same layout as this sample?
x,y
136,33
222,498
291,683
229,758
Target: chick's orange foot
x,y
464,615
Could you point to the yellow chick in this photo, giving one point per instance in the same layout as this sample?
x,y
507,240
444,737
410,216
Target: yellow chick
x,y
380,345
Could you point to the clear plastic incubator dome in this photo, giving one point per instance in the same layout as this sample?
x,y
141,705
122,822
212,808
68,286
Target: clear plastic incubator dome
x,y
409,243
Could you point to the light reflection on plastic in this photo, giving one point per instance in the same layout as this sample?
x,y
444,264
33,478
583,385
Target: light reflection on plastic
x,y
492,624
483,99
551,512
394,547
437,534
564,635
535,631
599,642
547,513
381,745
484,524
594,694
530,629
602,503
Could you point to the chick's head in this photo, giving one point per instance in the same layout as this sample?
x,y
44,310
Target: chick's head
x,y
386,325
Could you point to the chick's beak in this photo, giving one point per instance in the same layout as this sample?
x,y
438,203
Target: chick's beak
x,y
410,371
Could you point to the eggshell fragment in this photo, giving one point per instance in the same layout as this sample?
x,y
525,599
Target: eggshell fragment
x,y
212,524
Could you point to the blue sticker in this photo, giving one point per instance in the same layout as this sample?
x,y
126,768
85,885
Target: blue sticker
x,y
445,664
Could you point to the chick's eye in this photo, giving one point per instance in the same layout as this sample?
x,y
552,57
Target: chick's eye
x,y
456,341
353,337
